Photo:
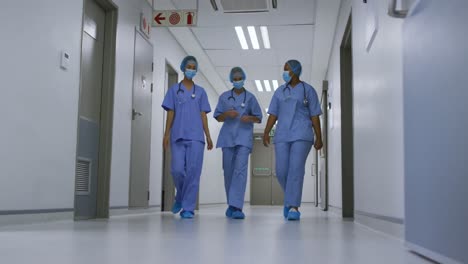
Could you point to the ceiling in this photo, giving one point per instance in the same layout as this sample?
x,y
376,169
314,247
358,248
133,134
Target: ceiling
x,y
292,29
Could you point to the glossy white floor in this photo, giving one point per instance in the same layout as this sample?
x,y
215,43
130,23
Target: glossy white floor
x,y
263,237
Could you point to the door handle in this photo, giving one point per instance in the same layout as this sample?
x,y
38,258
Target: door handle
x,y
135,114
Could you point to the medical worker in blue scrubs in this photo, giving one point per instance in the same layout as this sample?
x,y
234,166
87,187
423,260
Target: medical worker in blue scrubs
x,y
239,110
186,127
296,107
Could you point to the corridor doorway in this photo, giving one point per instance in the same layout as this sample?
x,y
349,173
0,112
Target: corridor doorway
x,y
264,186
95,111
347,132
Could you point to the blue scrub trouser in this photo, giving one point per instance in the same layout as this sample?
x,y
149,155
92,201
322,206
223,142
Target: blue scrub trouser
x,y
290,169
235,163
186,167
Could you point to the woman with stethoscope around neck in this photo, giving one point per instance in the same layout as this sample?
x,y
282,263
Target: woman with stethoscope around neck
x,y
187,105
296,107
238,109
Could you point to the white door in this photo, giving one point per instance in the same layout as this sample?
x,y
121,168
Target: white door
x,y
323,153
264,186
141,123
89,111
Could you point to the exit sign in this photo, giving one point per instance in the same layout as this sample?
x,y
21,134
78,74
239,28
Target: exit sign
x,y
174,18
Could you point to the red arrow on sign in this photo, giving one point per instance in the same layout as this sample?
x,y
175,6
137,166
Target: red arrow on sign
x,y
159,18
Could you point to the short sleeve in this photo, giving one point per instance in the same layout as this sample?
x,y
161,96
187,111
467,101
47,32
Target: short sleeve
x,y
314,103
219,108
204,104
256,109
273,109
169,102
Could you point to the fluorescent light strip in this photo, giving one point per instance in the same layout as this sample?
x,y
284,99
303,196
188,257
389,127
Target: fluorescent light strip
x,y
265,37
241,37
275,84
253,37
267,85
259,85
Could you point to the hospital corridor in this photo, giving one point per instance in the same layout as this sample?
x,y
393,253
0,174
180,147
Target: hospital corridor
x,y
233,131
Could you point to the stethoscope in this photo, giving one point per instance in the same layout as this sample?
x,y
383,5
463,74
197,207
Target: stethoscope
x,y
233,98
305,101
180,90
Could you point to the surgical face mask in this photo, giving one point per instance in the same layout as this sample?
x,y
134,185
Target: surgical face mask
x,y
190,73
238,84
286,76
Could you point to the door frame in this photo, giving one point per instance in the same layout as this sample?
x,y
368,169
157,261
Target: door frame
x,y
323,152
107,107
347,126
169,69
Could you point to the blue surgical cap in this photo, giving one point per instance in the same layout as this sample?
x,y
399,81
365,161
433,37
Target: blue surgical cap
x,y
236,72
295,66
188,60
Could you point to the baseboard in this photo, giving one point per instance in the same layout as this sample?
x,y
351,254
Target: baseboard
x,y
388,225
430,254
335,209
390,219
125,210
379,223
28,217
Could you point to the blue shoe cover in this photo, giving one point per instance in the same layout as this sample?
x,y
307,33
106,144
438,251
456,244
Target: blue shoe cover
x,y
285,211
187,215
229,211
176,207
238,215
294,215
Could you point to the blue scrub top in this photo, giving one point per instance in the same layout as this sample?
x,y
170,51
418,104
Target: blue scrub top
x,y
187,124
293,116
235,132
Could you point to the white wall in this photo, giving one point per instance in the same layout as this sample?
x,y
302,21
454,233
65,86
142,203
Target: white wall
x,y
378,113
435,78
38,136
39,103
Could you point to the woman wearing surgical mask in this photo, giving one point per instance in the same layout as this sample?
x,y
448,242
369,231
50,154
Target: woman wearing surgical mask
x,y
187,105
295,105
239,110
